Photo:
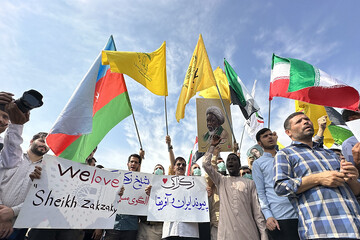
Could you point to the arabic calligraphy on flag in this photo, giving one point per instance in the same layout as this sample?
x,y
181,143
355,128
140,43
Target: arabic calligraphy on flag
x,y
178,198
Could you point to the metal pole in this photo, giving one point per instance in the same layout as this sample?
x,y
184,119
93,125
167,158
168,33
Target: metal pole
x,y
241,140
227,117
269,114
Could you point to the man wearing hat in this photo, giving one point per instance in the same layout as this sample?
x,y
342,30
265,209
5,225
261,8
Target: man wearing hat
x,y
214,120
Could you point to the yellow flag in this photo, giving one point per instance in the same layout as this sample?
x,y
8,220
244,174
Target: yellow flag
x,y
280,145
223,85
314,112
149,69
199,76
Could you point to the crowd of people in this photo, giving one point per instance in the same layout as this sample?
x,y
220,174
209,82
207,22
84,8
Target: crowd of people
x,y
303,191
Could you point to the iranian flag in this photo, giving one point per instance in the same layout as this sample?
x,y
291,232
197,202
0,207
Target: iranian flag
x,y
295,79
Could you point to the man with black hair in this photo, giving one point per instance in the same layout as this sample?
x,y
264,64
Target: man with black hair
x,y
349,143
281,218
126,226
240,213
15,167
320,187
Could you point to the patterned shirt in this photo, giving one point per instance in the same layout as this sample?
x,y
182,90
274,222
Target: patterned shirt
x,y
324,212
15,167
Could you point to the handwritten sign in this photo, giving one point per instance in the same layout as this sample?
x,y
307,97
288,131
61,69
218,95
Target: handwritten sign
x,y
71,195
134,201
178,198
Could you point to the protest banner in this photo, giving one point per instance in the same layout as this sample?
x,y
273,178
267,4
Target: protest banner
x,y
71,195
178,198
134,201
354,127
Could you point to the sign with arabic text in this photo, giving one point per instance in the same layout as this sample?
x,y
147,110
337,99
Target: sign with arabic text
x,y
71,195
134,201
178,198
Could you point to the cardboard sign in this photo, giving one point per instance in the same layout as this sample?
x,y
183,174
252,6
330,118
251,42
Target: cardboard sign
x,y
71,195
178,198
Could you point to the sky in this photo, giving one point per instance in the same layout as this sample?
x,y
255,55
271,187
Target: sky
x,y
50,45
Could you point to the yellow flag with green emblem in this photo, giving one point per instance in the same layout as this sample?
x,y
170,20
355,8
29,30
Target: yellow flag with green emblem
x,y
149,69
199,76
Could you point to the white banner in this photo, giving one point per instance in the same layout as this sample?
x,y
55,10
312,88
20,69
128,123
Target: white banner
x,y
354,126
134,201
71,195
178,198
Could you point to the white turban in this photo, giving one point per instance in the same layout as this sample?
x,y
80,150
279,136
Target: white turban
x,y
217,112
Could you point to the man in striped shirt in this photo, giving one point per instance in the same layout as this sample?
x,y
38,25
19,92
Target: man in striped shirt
x,y
320,187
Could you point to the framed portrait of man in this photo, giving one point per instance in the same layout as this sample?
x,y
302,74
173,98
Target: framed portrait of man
x,y
211,120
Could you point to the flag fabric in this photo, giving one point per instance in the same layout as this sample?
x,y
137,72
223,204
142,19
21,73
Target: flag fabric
x,y
314,112
149,69
223,85
98,104
199,76
338,128
194,150
194,156
239,94
256,122
295,79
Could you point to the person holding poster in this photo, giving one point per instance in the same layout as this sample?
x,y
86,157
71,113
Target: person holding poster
x,y
240,214
14,170
126,226
180,230
151,230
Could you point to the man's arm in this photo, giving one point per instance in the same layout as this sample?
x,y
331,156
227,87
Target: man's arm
x,y
213,174
11,153
327,178
351,176
256,210
258,178
171,155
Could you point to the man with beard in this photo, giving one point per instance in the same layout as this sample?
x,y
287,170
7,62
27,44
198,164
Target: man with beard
x,y
126,226
281,218
240,213
15,167
214,120
320,187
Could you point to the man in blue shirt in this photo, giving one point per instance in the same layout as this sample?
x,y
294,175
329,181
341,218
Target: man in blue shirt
x,y
281,217
319,186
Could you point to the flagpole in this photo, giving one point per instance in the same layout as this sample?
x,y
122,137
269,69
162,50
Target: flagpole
x,y
269,114
166,121
227,117
132,112
242,136
137,131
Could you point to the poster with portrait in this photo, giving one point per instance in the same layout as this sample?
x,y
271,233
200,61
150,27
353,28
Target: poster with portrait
x,y
211,120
